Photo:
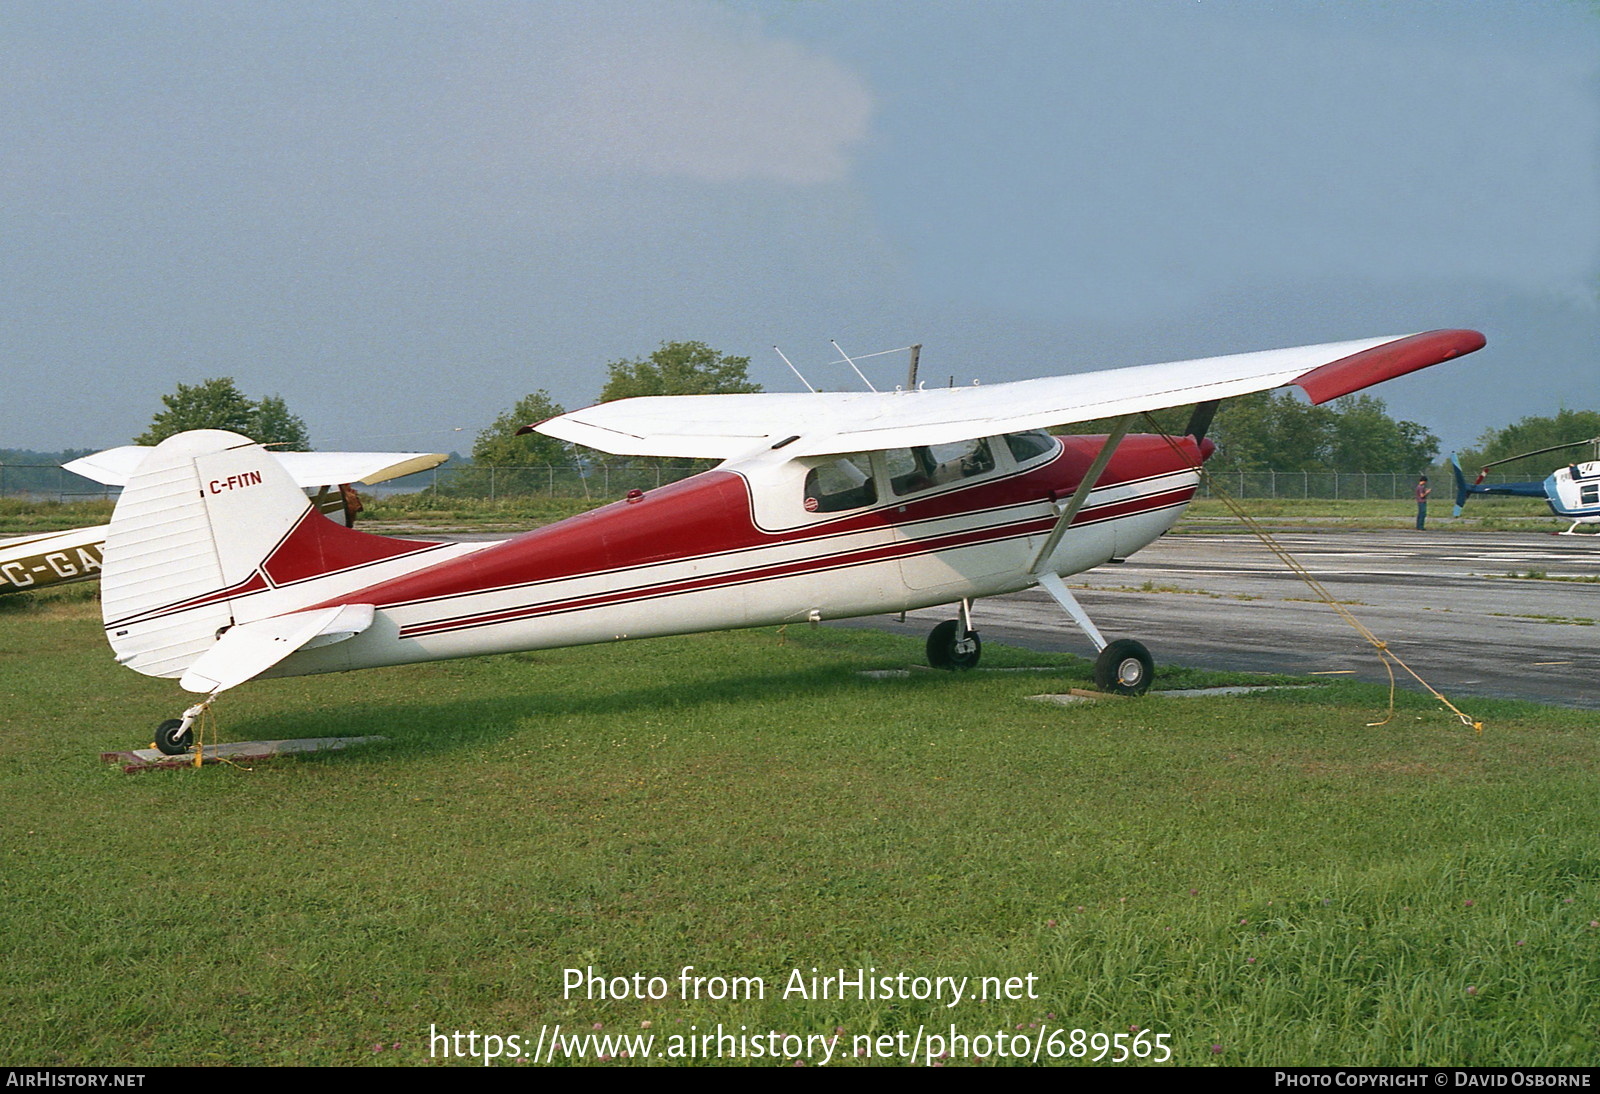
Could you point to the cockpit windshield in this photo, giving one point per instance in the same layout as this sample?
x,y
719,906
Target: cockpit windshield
x,y
1028,446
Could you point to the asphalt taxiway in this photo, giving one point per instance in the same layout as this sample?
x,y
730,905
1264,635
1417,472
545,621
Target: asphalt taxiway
x,y
1459,607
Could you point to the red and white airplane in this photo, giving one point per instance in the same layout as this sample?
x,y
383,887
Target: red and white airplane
x,y
826,506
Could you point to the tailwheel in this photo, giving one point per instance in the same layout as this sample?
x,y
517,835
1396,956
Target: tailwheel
x,y
952,646
173,737
1124,667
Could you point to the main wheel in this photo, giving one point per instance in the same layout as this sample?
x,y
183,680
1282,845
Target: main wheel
x,y
172,739
1124,667
949,648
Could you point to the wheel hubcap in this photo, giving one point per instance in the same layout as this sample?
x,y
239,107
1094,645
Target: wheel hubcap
x,y
1130,672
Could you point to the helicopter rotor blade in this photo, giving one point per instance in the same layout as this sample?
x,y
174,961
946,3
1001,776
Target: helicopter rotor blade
x,y
1540,452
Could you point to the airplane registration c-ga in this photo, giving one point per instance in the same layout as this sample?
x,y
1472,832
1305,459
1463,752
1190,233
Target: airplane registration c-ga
x,y
826,506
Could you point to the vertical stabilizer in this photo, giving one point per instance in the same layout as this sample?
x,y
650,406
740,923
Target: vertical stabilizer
x,y
189,533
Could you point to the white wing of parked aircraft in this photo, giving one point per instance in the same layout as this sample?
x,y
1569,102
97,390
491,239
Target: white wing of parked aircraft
x,y
723,426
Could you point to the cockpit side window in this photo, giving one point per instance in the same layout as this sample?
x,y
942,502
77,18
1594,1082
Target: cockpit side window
x,y
844,482
925,466
1028,446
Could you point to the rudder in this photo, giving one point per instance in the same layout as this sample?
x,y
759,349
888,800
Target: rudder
x,y
189,532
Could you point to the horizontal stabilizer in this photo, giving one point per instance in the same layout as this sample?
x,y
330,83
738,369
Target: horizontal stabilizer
x,y
115,466
247,650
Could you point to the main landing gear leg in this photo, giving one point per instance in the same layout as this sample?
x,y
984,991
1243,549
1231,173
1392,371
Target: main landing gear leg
x,y
175,736
953,644
1124,666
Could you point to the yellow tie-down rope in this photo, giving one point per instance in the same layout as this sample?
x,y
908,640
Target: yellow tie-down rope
x,y
1385,654
203,720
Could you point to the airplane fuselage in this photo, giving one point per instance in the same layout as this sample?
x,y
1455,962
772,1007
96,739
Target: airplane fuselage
x,y
738,547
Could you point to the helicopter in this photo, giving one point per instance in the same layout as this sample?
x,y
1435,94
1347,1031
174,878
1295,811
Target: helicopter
x,y
1572,492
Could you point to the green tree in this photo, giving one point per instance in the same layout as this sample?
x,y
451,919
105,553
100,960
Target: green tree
x,y
1275,431
219,404
1531,434
678,368
1366,438
499,445
274,425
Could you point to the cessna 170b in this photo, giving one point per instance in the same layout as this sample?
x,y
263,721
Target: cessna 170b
x,y
1572,492
30,563
826,506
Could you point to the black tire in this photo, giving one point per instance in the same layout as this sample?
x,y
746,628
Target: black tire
x,y
948,648
168,740
1124,667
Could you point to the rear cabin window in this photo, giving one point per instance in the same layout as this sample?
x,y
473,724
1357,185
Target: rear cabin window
x,y
1030,445
842,483
930,465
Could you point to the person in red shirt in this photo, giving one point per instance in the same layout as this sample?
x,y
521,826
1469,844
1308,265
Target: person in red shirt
x,y
1423,490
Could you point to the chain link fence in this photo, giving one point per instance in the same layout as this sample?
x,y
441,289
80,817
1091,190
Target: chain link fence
x,y
47,482
600,481
603,481
1332,485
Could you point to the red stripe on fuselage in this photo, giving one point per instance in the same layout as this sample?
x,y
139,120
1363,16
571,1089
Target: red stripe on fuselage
x,y
255,583
841,560
711,514
313,547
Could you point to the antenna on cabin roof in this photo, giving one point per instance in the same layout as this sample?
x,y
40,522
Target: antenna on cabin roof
x,y
859,373
916,352
911,377
794,370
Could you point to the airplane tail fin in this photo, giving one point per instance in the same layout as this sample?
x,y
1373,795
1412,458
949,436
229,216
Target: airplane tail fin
x,y
181,545
212,557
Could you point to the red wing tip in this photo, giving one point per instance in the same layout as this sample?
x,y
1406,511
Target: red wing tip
x,y
1464,341
1385,362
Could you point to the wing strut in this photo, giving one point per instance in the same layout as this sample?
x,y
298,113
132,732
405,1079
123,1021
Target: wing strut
x,y
1080,495
1052,584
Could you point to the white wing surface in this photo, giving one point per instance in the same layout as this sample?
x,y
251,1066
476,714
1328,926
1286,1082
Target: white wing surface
x,y
722,426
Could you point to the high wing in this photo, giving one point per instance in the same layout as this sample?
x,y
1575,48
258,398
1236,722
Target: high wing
x,y
115,466
824,423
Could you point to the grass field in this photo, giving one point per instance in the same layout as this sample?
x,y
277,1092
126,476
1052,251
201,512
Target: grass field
x,y
1263,880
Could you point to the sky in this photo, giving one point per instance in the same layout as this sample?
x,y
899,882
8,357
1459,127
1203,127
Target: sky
x,y
404,217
